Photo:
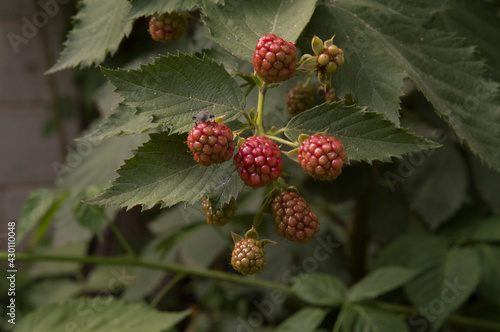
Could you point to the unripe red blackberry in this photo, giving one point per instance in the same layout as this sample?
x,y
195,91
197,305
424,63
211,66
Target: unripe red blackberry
x,y
211,142
322,157
167,27
299,99
258,161
293,219
274,59
248,256
220,217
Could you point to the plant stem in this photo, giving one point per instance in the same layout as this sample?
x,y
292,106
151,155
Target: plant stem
x,y
260,110
281,140
338,322
176,268
228,277
166,289
358,236
124,243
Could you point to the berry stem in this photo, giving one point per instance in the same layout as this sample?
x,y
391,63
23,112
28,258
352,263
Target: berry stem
x,y
260,110
282,141
169,285
123,242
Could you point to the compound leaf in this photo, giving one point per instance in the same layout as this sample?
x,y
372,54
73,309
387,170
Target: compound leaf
x,y
383,45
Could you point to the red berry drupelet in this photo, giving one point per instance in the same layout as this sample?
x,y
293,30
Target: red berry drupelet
x,y
220,217
258,161
210,143
299,99
322,157
274,59
248,257
167,27
293,219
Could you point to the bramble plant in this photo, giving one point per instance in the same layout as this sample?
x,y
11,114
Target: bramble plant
x,y
360,138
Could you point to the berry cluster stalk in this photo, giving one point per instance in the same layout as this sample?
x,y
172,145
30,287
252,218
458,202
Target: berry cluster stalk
x,y
260,110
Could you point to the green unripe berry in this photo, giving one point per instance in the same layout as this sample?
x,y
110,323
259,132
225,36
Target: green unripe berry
x,y
323,59
339,59
331,67
333,50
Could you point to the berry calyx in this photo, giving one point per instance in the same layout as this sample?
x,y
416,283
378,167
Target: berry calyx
x,y
299,99
248,256
210,143
322,157
258,161
274,59
168,27
293,219
220,217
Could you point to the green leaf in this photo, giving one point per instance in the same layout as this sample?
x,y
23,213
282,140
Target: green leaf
x,y
52,291
98,314
366,136
38,210
479,23
362,318
94,35
372,72
436,184
319,289
379,282
473,229
305,320
94,163
383,45
162,171
122,121
489,287
416,250
92,217
173,89
239,24
487,183
442,289
150,7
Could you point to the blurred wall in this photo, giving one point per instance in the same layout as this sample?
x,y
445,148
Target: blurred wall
x,y
31,36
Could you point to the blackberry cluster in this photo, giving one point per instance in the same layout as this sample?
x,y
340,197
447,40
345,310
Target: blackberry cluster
x,y
322,157
293,218
210,143
220,217
274,59
168,27
258,161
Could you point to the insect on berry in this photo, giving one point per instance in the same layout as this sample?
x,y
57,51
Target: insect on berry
x,y
203,116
